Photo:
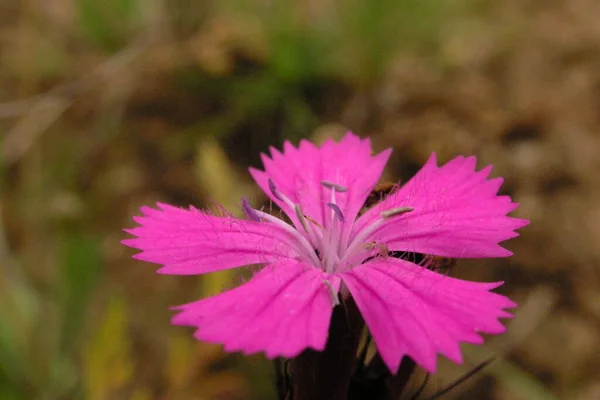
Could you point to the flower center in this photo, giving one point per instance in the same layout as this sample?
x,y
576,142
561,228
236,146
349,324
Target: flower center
x,y
321,245
330,245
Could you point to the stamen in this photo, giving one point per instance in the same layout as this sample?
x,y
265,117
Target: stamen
x,y
334,298
336,211
249,211
395,211
312,221
316,235
330,260
274,190
278,195
305,246
362,236
301,217
331,185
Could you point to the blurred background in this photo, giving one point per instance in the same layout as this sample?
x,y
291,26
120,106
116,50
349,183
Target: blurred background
x,y
109,105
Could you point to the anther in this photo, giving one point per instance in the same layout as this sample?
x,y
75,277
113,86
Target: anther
x,y
249,211
332,294
395,211
301,217
278,195
274,190
331,185
336,211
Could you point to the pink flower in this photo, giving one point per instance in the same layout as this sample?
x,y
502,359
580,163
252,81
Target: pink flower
x,y
451,211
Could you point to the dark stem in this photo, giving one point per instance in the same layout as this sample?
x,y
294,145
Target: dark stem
x,y
462,379
399,382
421,388
282,379
380,384
326,375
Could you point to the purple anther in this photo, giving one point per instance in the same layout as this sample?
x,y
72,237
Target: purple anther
x,y
336,211
274,190
249,211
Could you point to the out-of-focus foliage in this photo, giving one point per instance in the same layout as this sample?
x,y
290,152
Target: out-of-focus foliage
x,y
108,360
110,23
109,105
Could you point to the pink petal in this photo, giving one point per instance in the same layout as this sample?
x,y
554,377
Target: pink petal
x,y
457,213
283,310
298,172
416,312
191,241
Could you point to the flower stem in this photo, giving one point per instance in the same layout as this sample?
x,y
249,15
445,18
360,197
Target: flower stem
x,y
326,375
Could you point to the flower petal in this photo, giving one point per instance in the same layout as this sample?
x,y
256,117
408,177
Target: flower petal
x,y
416,312
457,213
281,311
193,242
298,173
